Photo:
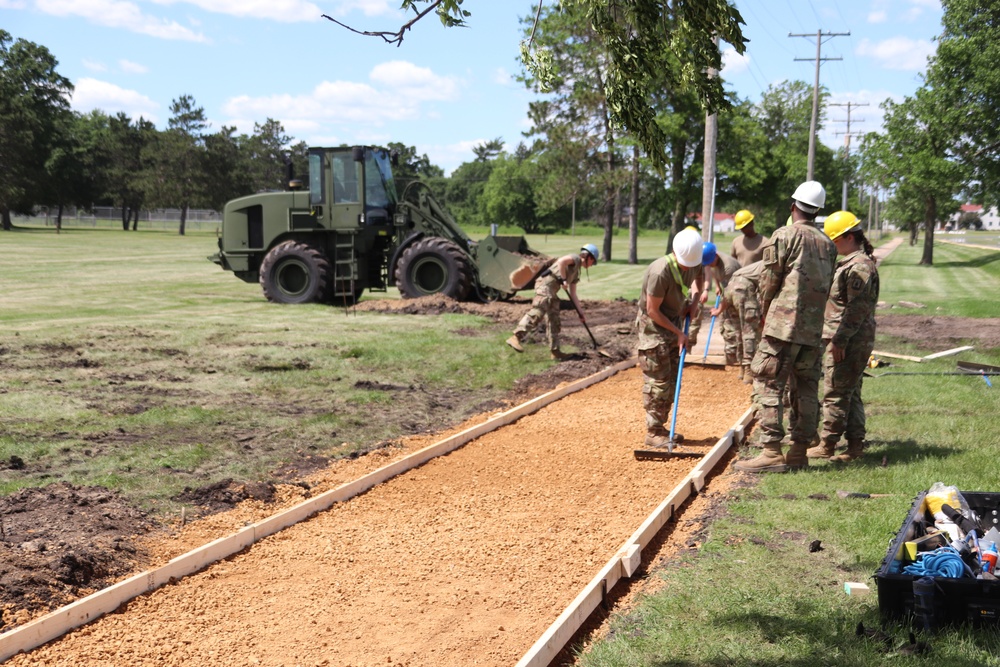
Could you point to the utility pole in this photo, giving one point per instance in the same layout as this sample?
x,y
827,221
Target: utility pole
x,y
708,170
847,143
819,59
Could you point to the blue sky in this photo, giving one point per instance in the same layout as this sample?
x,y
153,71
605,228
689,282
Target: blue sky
x,y
442,91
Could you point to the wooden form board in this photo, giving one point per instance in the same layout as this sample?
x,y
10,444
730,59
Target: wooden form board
x,y
623,563
92,607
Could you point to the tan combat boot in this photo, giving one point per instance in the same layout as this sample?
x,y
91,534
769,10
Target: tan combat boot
x,y
821,450
796,458
770,460
559,355
855,450
515,343
747,376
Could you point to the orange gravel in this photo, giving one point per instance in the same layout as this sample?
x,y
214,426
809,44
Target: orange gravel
x,y
465,560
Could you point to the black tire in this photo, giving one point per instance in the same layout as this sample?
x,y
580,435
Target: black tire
x,y
294,272
434,266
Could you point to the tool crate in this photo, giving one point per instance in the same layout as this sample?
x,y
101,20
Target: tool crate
x,y
956,600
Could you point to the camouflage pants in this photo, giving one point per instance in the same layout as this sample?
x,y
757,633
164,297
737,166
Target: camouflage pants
x,y
542,308
774,365
659,375
843,409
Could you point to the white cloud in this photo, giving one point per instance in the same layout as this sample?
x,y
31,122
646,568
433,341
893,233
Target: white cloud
x,y
450,156
90,94
733,63
120,14
286,11
502,77
13,4
898,53
879,16
94,66
131,67
366,7
420,82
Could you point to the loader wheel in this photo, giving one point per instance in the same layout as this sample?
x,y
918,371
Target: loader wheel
x,y
294,272
434,266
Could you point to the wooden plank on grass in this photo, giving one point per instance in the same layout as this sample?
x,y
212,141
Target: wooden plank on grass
x,y
947,353
904,357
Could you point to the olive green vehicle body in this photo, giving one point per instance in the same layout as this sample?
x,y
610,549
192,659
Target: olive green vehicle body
x,y
349,232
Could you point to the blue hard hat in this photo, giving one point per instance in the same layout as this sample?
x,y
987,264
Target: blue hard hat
x,y
708,253
592,249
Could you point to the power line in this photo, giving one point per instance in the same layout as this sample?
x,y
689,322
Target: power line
x,y
819,59
847,140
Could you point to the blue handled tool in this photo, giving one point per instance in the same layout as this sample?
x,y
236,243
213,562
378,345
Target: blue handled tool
x,y
677,391
708,341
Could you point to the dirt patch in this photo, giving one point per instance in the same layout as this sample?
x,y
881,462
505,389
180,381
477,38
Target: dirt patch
x,y
937,333
61,542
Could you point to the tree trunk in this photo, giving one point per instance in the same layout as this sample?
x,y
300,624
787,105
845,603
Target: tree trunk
x,y
184,214
5,219
135,218
930,218
59,212
914,231
633,204
126,212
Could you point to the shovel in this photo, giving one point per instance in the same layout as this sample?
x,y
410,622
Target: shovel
x,y
652,454
592,339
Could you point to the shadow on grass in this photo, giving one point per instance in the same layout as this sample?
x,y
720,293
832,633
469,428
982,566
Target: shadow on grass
x,y
900,451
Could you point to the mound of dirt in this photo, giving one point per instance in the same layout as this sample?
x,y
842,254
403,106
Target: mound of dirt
x,y
937,333
61,542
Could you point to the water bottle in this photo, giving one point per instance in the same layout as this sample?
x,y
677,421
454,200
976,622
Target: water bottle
x,y
990,557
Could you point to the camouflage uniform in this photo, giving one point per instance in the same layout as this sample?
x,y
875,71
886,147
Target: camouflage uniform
x,y
659,356
730,321
748,250
799,262
741,315
545,304
850,324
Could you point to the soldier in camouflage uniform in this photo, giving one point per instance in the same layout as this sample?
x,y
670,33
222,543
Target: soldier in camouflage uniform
x,y
849,333
665,301
564,272
795,281
740,309
722,268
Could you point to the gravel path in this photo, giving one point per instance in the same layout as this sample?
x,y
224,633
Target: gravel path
x,y
463,561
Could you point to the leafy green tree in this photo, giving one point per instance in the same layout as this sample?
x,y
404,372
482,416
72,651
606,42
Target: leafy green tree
x,y
266,155
76,168
33,107
509,194
631,33
912,158
129,168
411,166
464,189
228,174
178,158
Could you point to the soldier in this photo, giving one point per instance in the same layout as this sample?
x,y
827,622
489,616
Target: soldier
x,y
795,280
740,308
721,269
749,247
665,301
564,272
849,334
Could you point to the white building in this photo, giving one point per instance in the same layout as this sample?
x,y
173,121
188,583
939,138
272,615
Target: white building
x,y
989,216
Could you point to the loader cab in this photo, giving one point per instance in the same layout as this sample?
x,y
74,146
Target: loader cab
x,y
351,187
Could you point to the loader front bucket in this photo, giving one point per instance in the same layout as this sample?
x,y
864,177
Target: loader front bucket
x,y
507,264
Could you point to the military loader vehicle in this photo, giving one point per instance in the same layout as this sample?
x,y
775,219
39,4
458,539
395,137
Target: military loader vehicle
x,y
349,231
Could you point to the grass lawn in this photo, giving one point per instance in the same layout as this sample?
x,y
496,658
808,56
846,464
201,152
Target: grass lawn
x,y
755,595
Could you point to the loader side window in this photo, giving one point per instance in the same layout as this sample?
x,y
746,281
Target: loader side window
x,y
345,179
317,188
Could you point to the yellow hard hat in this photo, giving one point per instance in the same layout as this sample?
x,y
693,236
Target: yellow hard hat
x,y
743,218
839,223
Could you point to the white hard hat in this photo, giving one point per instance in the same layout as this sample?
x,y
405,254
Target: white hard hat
x,y
810,196
687,247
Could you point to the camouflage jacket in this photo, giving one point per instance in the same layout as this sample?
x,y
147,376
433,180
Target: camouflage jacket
x,y
659,281
799,261
722,275
548,286
850,310
745,284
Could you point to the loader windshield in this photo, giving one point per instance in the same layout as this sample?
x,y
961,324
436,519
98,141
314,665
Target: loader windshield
x,y
380,190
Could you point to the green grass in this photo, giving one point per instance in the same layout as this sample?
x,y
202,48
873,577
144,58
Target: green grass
x,y
754,595
130,360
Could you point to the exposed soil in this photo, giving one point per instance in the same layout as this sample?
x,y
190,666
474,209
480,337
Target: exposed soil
x,y
937,333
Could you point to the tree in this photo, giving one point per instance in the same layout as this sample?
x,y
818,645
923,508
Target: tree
x,y
509,194
411,167
33,103
631,33
129,172
227,170
912,158
179,158
76,166
266,153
